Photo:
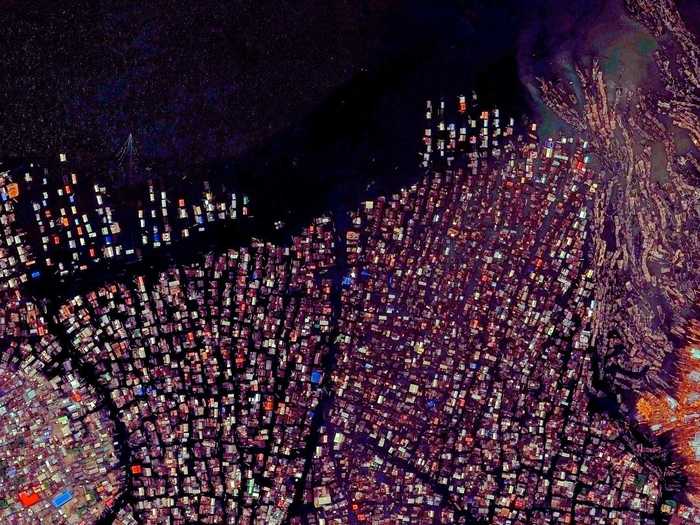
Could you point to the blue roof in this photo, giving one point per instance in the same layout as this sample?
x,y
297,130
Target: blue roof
x,y
63,498
316,377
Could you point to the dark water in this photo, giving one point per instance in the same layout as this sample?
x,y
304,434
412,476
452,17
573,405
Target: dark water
x,y
362,138
301,104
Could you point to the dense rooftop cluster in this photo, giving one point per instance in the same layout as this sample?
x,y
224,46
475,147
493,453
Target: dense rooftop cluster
x,y
72,223
16,260
431,365
465,350
162,223
56,454
215,369
645,231
645,222
464,364
58,460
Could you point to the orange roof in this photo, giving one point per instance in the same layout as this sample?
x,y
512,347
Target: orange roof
x,y
13,190
28,498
